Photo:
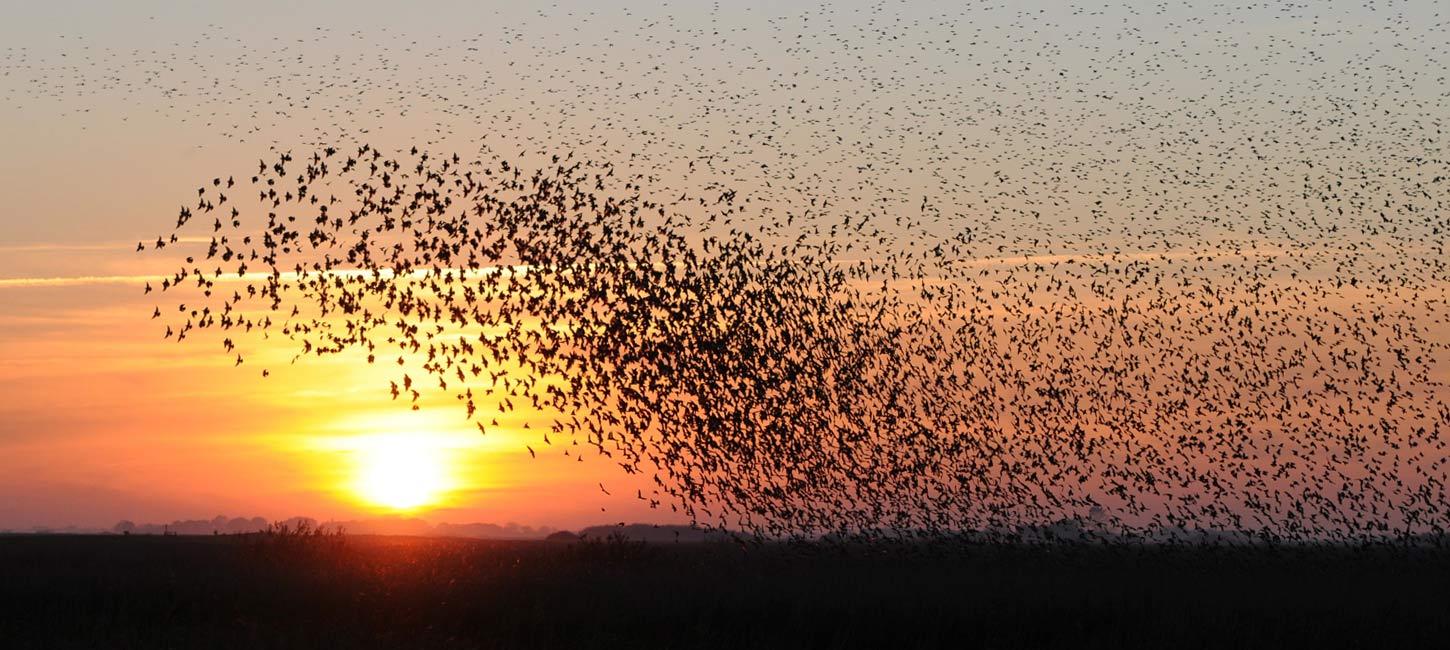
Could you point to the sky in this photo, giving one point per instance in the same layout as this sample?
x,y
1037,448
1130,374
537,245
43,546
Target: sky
x,y
111,114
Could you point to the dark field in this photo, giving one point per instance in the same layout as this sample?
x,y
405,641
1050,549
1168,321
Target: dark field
x,y
261,592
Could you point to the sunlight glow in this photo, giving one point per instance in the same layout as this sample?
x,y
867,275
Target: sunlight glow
x,y
401,472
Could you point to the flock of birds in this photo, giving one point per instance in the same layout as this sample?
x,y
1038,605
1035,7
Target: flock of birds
x,y
774,385
1168,272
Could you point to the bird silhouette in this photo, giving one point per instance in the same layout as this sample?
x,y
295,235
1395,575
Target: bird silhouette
x,y
891,273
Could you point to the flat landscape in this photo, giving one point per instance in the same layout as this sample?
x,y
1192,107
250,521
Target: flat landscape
x,y
1079,324
258,591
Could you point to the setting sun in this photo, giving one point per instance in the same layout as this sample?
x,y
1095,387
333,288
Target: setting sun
x,y
400,472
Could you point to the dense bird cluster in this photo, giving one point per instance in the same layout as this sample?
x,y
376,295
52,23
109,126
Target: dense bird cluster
x,y
1023,269
785,389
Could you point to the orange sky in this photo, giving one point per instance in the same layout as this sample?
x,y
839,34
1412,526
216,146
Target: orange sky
x,y
100,419
103,419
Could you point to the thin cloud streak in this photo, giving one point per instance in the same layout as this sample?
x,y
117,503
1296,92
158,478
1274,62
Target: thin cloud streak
x,y
108,246
82,280
288,276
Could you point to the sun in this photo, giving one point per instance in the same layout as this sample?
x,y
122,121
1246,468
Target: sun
x,y
400,472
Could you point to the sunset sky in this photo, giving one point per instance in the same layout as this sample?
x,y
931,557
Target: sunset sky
x,y
112,114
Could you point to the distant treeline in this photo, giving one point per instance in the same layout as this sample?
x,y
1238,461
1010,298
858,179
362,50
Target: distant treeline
x,y
221,525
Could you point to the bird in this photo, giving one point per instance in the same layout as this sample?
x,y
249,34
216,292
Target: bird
x,y
931,277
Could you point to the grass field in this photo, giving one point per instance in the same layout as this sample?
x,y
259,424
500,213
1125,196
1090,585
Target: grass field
x,y
367,592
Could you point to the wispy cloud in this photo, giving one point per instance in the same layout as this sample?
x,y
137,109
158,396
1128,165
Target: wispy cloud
x,y
82,280
70,247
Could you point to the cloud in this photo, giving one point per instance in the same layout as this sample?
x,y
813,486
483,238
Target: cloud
x,y
72,247
21,283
